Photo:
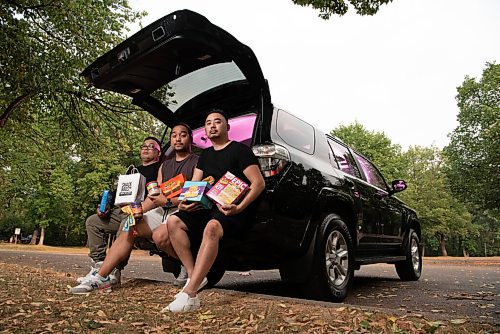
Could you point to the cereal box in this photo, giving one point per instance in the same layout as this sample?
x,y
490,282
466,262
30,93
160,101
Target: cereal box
x,y
173,187
195,191
228,190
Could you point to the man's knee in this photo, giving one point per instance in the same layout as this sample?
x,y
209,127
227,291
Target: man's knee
x,y
91,221
161,237
213,230
174,223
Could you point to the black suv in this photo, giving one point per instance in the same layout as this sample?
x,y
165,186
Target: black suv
x,y
326,209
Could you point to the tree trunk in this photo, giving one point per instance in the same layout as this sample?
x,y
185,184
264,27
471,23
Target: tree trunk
x,y
465,252
42,236
442,245
34,236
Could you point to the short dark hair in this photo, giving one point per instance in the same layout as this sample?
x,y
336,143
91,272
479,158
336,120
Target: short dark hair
x,y
153,138
189,131
218,111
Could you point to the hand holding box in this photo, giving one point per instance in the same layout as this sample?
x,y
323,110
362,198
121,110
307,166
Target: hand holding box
x,y
195,191
228,190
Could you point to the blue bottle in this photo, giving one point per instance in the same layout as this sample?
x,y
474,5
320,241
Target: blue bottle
x,y
104,201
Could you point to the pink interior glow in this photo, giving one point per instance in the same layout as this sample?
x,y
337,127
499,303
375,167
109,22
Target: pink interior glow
x,y
241,130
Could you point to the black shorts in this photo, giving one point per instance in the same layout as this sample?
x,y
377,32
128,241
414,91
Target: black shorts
x,y
233,226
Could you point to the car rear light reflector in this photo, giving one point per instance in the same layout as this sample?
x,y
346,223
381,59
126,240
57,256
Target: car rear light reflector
x,y
272,158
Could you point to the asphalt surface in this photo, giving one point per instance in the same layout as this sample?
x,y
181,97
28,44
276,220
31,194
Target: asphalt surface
x,y
447,289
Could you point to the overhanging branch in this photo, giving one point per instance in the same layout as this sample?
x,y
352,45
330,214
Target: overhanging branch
x,y
11,107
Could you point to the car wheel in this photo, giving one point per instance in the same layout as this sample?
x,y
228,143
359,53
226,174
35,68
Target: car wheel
x,y
411,268
333,268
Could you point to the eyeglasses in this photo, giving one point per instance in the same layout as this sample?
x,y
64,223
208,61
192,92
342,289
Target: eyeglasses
x,y
148,147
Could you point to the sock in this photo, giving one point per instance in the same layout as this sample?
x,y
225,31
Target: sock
x,y
104,279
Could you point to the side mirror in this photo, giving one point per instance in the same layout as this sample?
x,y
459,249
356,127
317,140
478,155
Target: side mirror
x,y
398,185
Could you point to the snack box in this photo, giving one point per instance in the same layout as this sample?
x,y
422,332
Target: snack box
x,y
173,187
228,190
195,191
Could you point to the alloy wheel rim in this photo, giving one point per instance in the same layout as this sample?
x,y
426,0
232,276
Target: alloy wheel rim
x,y
415,255
337,258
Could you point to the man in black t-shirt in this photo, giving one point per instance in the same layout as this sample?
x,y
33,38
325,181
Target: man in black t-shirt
x,y
153,208
102,224
192,223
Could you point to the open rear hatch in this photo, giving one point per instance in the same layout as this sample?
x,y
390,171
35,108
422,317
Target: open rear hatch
x,y
179,67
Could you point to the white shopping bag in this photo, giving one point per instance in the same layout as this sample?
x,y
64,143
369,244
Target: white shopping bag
x,y
130,188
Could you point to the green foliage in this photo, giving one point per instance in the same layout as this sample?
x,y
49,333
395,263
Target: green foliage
x,y
376,146
49,43
328,8
442,215
473,154
61,143
9,223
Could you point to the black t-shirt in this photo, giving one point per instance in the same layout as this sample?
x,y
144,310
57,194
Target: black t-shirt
x,y
171,167
234,158
150,172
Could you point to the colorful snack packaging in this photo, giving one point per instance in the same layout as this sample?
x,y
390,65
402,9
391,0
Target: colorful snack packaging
x,y
228,190
104,201
195,191
173,187
153,188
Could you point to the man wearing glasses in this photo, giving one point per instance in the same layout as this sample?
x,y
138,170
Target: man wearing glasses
x,y
102,224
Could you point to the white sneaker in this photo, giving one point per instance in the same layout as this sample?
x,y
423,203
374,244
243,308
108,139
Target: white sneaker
x,y
202,285
94,268
182,277
91,283
183,303
115,277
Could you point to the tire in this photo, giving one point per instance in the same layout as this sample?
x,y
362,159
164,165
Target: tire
x,y
411,268
333,267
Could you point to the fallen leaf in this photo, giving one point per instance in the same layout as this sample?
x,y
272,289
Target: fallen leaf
x,y
101,314
392,319
206,316
138,324
458,321
93,324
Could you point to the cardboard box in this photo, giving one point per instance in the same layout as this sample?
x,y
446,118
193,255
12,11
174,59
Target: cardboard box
x,y
173,187
195,191
228,190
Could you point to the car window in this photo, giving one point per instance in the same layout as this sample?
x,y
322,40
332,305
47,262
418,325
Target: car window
x,y
241,130
372,175
183,89
295,132
344,159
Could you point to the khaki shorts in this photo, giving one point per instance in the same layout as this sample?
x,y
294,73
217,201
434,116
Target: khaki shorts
x,y
154,218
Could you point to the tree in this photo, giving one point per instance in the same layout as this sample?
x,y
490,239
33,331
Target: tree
x,y
474,151
46,45
442,215
376,146
328,8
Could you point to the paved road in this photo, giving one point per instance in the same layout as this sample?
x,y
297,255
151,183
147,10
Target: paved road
x,y
447,290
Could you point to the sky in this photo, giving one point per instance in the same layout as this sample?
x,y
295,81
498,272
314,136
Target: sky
x,y
396,72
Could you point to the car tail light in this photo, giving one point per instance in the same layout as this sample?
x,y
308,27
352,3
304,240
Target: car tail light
x,y
272,158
